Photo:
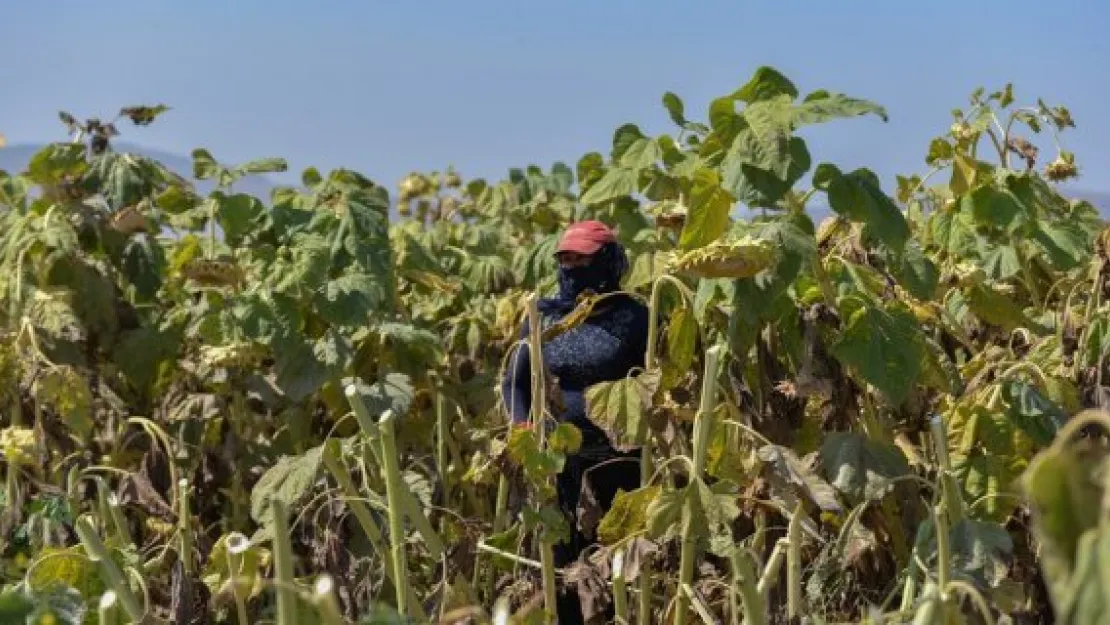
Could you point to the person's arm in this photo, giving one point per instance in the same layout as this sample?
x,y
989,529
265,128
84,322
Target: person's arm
x,y
634,342
516,387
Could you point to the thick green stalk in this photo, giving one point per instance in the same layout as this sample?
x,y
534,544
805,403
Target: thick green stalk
x,y
113,577
393,487
502,504
706,417
326,603
950,489
443,431
334,464
119,520
365,518
794,564
106,611
703,425
646,464
237,545
539,401
927,612
283,565
184,526
944,550
743,576
104,513
771,569
620,593
409,505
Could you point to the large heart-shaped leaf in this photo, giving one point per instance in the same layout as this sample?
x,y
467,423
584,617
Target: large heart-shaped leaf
x,y
883,346
621,407
859,467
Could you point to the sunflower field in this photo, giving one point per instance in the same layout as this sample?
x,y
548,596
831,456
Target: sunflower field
x,y
222,408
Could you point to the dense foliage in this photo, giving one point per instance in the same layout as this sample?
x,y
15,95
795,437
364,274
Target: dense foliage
x,y
866,418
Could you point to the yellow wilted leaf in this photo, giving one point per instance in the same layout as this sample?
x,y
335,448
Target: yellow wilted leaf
x,y
3,141
627,515
18,444
68,393
620,408
70,567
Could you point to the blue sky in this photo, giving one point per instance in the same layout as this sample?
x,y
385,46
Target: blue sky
x,y
386,87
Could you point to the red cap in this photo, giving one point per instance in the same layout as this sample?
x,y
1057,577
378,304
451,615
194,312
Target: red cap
x,y
586,237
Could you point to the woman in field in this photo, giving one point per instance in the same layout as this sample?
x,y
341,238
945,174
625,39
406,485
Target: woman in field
x,y
606,347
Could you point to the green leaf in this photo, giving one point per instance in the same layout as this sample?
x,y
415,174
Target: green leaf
x,y
674,107
883,347
996,207
1032,412
1086,599
144,264
298,372
709,208
768,135
1061,485
682,339
539,464
724,120
15,607
68,394
263,166
70,567
623,138
1064,243
858,197
861,468
620,408
393,392
57,162
708,510
641,154
953,231
628,515
289,480
981,550
615,183
204,165
565,439
350,299
939,151
747,169
139,353
1000,262
237,215
822,106
126,179
916,272
765,84
334,351
996,308
590,168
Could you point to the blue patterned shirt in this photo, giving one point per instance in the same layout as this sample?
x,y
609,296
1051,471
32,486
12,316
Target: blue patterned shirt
x,y
606,347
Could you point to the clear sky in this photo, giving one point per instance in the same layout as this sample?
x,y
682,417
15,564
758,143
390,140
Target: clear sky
x,y
388,86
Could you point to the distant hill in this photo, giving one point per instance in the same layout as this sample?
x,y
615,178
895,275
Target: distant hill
x,y
15,157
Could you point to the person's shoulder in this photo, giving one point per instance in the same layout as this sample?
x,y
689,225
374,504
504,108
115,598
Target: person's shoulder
x,y
631,308
634,304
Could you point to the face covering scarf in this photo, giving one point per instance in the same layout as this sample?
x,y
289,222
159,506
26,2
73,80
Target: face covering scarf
x,y
603,275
